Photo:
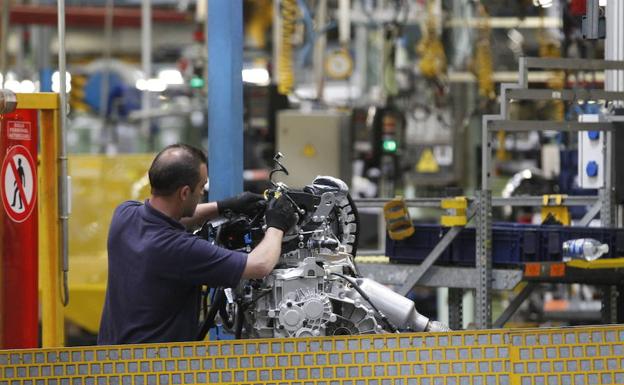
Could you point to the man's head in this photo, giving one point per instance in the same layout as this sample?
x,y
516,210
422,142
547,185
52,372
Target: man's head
x,y
179,171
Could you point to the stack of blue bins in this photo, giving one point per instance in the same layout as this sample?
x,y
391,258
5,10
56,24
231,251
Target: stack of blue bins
x,y
512,244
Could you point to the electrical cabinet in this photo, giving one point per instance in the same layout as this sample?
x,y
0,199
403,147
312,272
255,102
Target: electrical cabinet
x,y
314,143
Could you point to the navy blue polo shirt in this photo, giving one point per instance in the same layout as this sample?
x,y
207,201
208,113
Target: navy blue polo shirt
x,y
155,271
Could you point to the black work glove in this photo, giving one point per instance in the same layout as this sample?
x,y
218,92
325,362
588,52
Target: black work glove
x,y
244,203
280,214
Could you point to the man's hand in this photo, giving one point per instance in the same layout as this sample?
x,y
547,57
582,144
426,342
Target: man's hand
x,y
280,214
244,203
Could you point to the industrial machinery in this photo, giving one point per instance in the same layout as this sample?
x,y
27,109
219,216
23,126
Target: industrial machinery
x,y
315,290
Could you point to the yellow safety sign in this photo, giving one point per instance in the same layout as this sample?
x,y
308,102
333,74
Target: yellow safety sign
x,y
427,162
309,151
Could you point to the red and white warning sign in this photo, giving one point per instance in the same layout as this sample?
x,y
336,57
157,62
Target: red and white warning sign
x,y
19,130
19,189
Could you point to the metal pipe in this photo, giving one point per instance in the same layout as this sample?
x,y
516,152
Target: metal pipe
x,y
224,27
485,153
63,197
277,38
319,48
146,59
41,43
593,15
344,24
614,81
4,38
104,90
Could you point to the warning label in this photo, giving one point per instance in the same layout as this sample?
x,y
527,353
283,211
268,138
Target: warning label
x,y
427,162
17,130
18,189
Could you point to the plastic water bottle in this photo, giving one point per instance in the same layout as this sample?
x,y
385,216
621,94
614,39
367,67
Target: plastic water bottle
x,y
584,248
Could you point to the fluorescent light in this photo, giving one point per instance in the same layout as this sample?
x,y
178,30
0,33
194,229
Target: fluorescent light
x,y
141,84
171,77
156,85
27,86
151,85
543,3
56,80
258,76
13,85
56,76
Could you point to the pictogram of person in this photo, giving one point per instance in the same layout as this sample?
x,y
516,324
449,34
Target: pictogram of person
x,y
22,177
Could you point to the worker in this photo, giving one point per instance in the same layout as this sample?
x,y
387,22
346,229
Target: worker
x,y
156,267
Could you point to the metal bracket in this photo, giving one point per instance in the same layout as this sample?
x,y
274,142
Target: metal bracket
x,y
456,212
559,211
455,298
515,304
591,214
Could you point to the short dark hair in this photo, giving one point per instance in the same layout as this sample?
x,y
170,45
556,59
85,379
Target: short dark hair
x,y
175,166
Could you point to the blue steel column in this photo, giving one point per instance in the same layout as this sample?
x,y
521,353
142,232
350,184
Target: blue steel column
x,y
225,97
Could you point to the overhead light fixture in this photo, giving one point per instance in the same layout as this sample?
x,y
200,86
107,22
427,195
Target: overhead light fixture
x,y
171,77
27,86
259,76
151,85
543,3
56,80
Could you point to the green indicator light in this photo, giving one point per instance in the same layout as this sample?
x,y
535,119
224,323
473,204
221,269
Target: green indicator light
x,y
196,82
389,145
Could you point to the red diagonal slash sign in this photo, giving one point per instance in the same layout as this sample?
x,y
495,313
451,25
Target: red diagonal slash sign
x,y
10,163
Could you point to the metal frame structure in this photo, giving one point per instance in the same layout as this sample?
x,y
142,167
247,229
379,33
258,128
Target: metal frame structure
x,y
484,278
602,204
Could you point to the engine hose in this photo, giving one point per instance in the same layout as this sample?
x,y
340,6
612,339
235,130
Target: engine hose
x,y
217,303
238,321
357,287
225,318
285,68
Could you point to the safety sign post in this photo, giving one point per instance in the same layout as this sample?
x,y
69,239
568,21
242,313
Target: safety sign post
x,y
19,305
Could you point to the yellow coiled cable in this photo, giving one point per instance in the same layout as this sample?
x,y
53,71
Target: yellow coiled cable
x,y
286,75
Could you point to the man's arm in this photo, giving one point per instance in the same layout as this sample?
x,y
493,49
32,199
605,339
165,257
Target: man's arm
x,y
203,212
280,216
262,259
244,203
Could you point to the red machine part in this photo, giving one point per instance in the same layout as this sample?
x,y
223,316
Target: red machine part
x,y
92,16
19,310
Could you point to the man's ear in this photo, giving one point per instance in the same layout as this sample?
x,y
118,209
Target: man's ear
x,y
184,192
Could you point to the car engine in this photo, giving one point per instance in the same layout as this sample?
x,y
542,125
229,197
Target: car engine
x,y
315,289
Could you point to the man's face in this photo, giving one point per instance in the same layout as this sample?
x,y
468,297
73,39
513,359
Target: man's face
x,y
197,193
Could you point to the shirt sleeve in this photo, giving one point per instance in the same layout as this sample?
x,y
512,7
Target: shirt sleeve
x,y
206,264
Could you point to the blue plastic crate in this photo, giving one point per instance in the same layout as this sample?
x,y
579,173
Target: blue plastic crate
x,y
416,248
512,244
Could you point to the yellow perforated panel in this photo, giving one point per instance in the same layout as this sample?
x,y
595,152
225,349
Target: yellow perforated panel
x,y
544,356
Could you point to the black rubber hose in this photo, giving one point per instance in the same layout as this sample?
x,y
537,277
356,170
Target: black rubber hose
x,y
238,321
218,302
227,322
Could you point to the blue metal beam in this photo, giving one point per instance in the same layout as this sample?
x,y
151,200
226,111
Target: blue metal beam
x,y
225,97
